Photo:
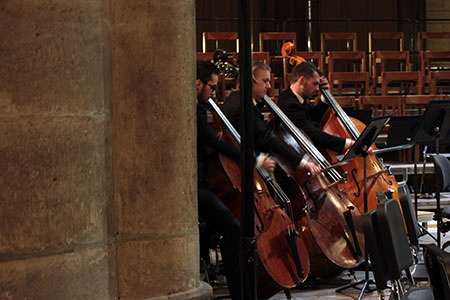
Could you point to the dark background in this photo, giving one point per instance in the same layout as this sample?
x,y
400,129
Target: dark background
x,y
289,15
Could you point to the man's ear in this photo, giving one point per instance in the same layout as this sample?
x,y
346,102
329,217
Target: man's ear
x,y
301,80
198,85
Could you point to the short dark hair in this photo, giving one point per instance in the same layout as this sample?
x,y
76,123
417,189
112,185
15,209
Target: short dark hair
x,y
305,69
205,69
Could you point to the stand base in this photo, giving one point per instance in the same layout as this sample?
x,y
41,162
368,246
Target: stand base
x,y
365,287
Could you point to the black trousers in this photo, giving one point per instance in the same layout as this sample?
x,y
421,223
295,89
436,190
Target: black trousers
x,y
216,213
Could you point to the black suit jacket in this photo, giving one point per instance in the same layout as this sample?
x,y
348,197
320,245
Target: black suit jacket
x,y
264,139
304,115
206,137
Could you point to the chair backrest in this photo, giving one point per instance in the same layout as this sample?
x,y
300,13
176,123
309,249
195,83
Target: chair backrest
x,y
438,267
386,36
371,237
219,36
338,36
395,245
423,36
360,80
382,58
408,214
276,36
442,170
381,104
356,58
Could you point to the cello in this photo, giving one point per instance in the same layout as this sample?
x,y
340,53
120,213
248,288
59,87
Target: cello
x,y
331,223
284,260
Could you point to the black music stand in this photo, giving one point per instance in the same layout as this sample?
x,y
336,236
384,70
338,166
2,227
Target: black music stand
x,y
359,148
433,128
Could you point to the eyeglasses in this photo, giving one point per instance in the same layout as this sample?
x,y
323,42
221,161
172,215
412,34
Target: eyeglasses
x,y
213,87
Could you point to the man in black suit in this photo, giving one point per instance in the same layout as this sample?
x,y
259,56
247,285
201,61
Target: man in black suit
x,y
305,82
265,142
210,207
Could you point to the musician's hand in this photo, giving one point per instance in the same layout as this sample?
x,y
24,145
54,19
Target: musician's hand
x,y
312,168
370,151
324,83
268,164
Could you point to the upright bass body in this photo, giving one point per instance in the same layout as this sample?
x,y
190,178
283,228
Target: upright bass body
x,y
330,222
336,122
284,260
322,215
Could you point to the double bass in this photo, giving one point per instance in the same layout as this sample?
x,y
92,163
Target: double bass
x,y
337,122
330,222
283,256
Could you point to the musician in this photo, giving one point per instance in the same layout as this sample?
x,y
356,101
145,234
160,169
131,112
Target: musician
x,y
210,207
265,141
305,82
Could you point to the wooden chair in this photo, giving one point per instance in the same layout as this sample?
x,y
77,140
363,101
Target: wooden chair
x,y
338,39
356,60
390,52
360,79
427,37
402,74
410,78
397,37
433,60
220,36
381,105
386,42
436,77
276,59
338,36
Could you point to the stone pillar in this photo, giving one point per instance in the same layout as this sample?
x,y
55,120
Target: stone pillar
x,y
153,78
97,150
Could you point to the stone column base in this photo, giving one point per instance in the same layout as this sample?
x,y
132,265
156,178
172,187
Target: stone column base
x,y
203,292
